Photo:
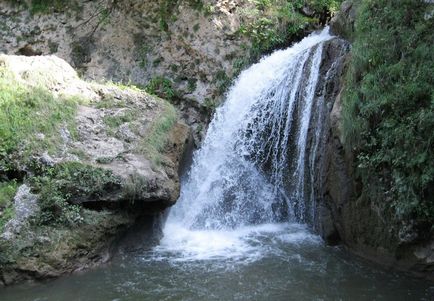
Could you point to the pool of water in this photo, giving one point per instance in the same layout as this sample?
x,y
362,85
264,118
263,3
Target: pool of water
x,y
266,262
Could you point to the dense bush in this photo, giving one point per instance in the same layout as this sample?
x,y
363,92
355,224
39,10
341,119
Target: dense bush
x,y
272,23
389,106
44,6
60,186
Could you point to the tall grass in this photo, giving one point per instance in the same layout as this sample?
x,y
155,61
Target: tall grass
x,y
154,144
30,120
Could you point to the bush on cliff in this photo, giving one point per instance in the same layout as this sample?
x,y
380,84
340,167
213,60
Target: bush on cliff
x,y
7,192
389,107
61,186
273,23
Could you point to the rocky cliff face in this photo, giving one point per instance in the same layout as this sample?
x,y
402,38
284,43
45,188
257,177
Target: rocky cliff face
x,y
181,49
193,45
187,51
345,214
83,184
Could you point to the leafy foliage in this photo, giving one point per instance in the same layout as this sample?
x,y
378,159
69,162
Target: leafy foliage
x,y
162,87
44,6
66,182
389,106
272,23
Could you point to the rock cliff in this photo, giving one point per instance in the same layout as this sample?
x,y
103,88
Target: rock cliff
x,y
346,215
84,178
194,46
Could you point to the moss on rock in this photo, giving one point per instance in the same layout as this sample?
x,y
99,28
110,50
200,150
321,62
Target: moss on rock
x,y
89,154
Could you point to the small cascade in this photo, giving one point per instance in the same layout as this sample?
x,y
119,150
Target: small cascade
x,y
257,162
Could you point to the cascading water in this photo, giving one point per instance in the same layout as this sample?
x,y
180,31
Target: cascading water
x,y
240,221
251,169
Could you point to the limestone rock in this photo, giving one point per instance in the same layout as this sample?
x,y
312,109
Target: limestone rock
x,y
136,42
118,169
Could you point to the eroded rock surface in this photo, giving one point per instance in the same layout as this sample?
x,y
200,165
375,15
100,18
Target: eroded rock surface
x,y
195,47
345,215
119,160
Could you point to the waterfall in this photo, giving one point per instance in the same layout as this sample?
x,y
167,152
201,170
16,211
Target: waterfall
x,y
254,166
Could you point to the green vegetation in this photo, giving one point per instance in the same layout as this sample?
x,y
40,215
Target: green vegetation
x,y
161,87
142,53
272,23
114,121
124,86
192,85
45,6
7,192
166,13
389,107
109,103
66,182
135,187
48,6
30,121
222,81
153,145
209,105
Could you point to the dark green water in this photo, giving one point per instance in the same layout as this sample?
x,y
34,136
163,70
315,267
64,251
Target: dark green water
x,y
269,262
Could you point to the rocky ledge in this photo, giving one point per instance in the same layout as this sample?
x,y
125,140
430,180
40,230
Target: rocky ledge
x,y
79,162
346,215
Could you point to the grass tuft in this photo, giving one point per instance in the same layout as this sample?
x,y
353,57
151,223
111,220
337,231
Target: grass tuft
x,y
30,120
154,144
7,192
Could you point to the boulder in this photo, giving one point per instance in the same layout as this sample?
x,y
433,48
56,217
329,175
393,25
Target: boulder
x,y
117,159
342,24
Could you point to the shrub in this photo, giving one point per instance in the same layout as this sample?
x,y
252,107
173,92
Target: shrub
x,y
161,87
274,23
389,107
65,183
44,6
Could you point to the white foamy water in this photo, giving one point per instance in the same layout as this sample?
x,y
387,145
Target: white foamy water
x,y
243,245
236,191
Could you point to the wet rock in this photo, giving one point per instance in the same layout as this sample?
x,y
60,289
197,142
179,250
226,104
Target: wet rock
x,y
343,213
